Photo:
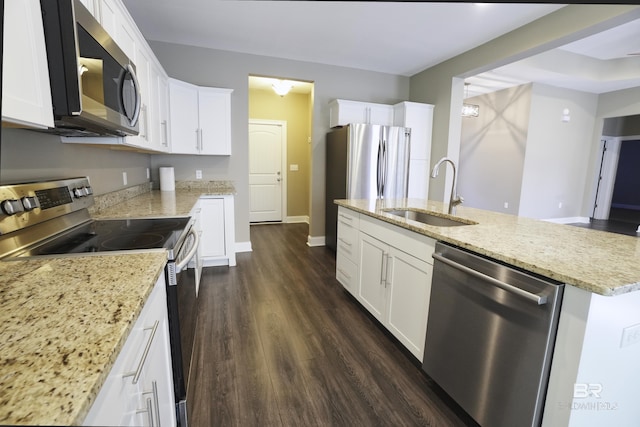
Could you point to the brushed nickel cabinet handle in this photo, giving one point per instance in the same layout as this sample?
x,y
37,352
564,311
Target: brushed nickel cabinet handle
x,y
136,374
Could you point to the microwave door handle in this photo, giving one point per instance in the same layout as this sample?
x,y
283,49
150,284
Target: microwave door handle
x,y
196,242
136,112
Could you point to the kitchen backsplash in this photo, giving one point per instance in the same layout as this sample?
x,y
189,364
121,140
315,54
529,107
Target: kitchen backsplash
x,y
106,200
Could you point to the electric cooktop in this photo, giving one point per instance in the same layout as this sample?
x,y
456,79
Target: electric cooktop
x,y
114,235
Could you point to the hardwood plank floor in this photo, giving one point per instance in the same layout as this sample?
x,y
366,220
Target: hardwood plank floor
x,y
280,343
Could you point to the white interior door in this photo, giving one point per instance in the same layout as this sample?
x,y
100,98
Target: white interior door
x,y
266,177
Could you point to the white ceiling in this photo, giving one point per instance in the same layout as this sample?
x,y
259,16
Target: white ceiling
x,y
392,37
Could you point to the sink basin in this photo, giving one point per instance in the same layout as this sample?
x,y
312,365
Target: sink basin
x,y
427,218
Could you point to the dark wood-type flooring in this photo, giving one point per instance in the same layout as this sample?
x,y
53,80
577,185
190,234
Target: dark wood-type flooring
x,y
280,343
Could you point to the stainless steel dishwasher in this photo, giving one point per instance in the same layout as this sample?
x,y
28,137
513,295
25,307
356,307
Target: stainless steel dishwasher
x,y
490,336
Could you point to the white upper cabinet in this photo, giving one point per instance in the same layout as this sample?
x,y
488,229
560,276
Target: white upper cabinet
x,y
418,117
183,113
26,94
342,112
200,119
214,112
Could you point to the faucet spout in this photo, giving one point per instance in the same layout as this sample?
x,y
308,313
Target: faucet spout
x,y
455,199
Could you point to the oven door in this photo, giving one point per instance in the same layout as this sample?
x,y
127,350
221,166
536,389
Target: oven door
x,y
181,302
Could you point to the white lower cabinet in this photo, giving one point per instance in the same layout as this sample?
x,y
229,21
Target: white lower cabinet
x,y
217,242
347,253
139,388
393,271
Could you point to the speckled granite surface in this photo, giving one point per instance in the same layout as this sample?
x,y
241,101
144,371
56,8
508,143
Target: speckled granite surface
x,y
156,204
599,262
64,321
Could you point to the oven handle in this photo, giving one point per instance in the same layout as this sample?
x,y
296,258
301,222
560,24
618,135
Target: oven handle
x,y
196,242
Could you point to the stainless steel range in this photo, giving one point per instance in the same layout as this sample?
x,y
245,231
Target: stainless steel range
x,y
51,219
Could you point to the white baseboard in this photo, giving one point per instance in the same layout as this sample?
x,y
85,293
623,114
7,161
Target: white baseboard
x,y
243,247
297,219
569,220
315,241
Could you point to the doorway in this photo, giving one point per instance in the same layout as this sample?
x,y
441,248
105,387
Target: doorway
x,y
293,110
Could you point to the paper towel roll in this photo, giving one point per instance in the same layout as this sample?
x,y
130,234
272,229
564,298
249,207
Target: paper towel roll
x,y
167,179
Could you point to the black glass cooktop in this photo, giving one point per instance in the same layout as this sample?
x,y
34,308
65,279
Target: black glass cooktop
x,y
115,235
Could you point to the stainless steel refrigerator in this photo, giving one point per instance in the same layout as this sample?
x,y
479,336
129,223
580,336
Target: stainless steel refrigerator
x,y
364,162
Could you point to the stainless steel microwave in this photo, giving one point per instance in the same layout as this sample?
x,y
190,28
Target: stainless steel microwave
x,y
94,89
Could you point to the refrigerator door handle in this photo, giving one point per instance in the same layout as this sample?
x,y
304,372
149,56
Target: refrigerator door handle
x,y
379,170
384,166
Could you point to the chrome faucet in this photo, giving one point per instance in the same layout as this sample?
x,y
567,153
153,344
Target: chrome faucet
x,y
455,199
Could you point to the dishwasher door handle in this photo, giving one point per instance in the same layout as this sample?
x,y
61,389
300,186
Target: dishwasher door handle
x,y
538,299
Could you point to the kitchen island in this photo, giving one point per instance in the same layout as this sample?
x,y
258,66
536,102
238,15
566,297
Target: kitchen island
x,y
594,369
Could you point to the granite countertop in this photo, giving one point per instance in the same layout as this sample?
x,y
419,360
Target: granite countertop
x,y
64,322
163,203
596,261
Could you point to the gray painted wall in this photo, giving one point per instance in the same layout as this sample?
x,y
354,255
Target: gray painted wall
x,y
557,157
28,155
207,67
492,150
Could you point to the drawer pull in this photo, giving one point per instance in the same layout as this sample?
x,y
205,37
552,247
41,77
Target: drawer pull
x,y
345,242
136,374
148,410
156,406
344,273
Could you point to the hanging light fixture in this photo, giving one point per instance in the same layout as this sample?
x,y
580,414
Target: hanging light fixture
x,y
282,87
469,110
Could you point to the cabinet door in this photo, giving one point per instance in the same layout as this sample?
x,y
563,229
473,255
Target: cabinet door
x,y
380,114
372,290
213,226
26,95
123,401
409,292
214,108
161,139
158,401
183,113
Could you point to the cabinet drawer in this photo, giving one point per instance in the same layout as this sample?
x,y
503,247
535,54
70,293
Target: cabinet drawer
x,y
347,274
348,217
347,244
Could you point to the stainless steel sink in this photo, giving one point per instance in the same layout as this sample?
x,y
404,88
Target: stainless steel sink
x,y
427,218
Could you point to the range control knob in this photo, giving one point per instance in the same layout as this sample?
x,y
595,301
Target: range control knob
x,y
89,190
11,206
79,192
29,203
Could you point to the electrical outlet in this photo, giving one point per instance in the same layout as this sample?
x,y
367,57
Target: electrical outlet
x,y
124,178
506,205
293,167
198,174
148,174
559,205
630,335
